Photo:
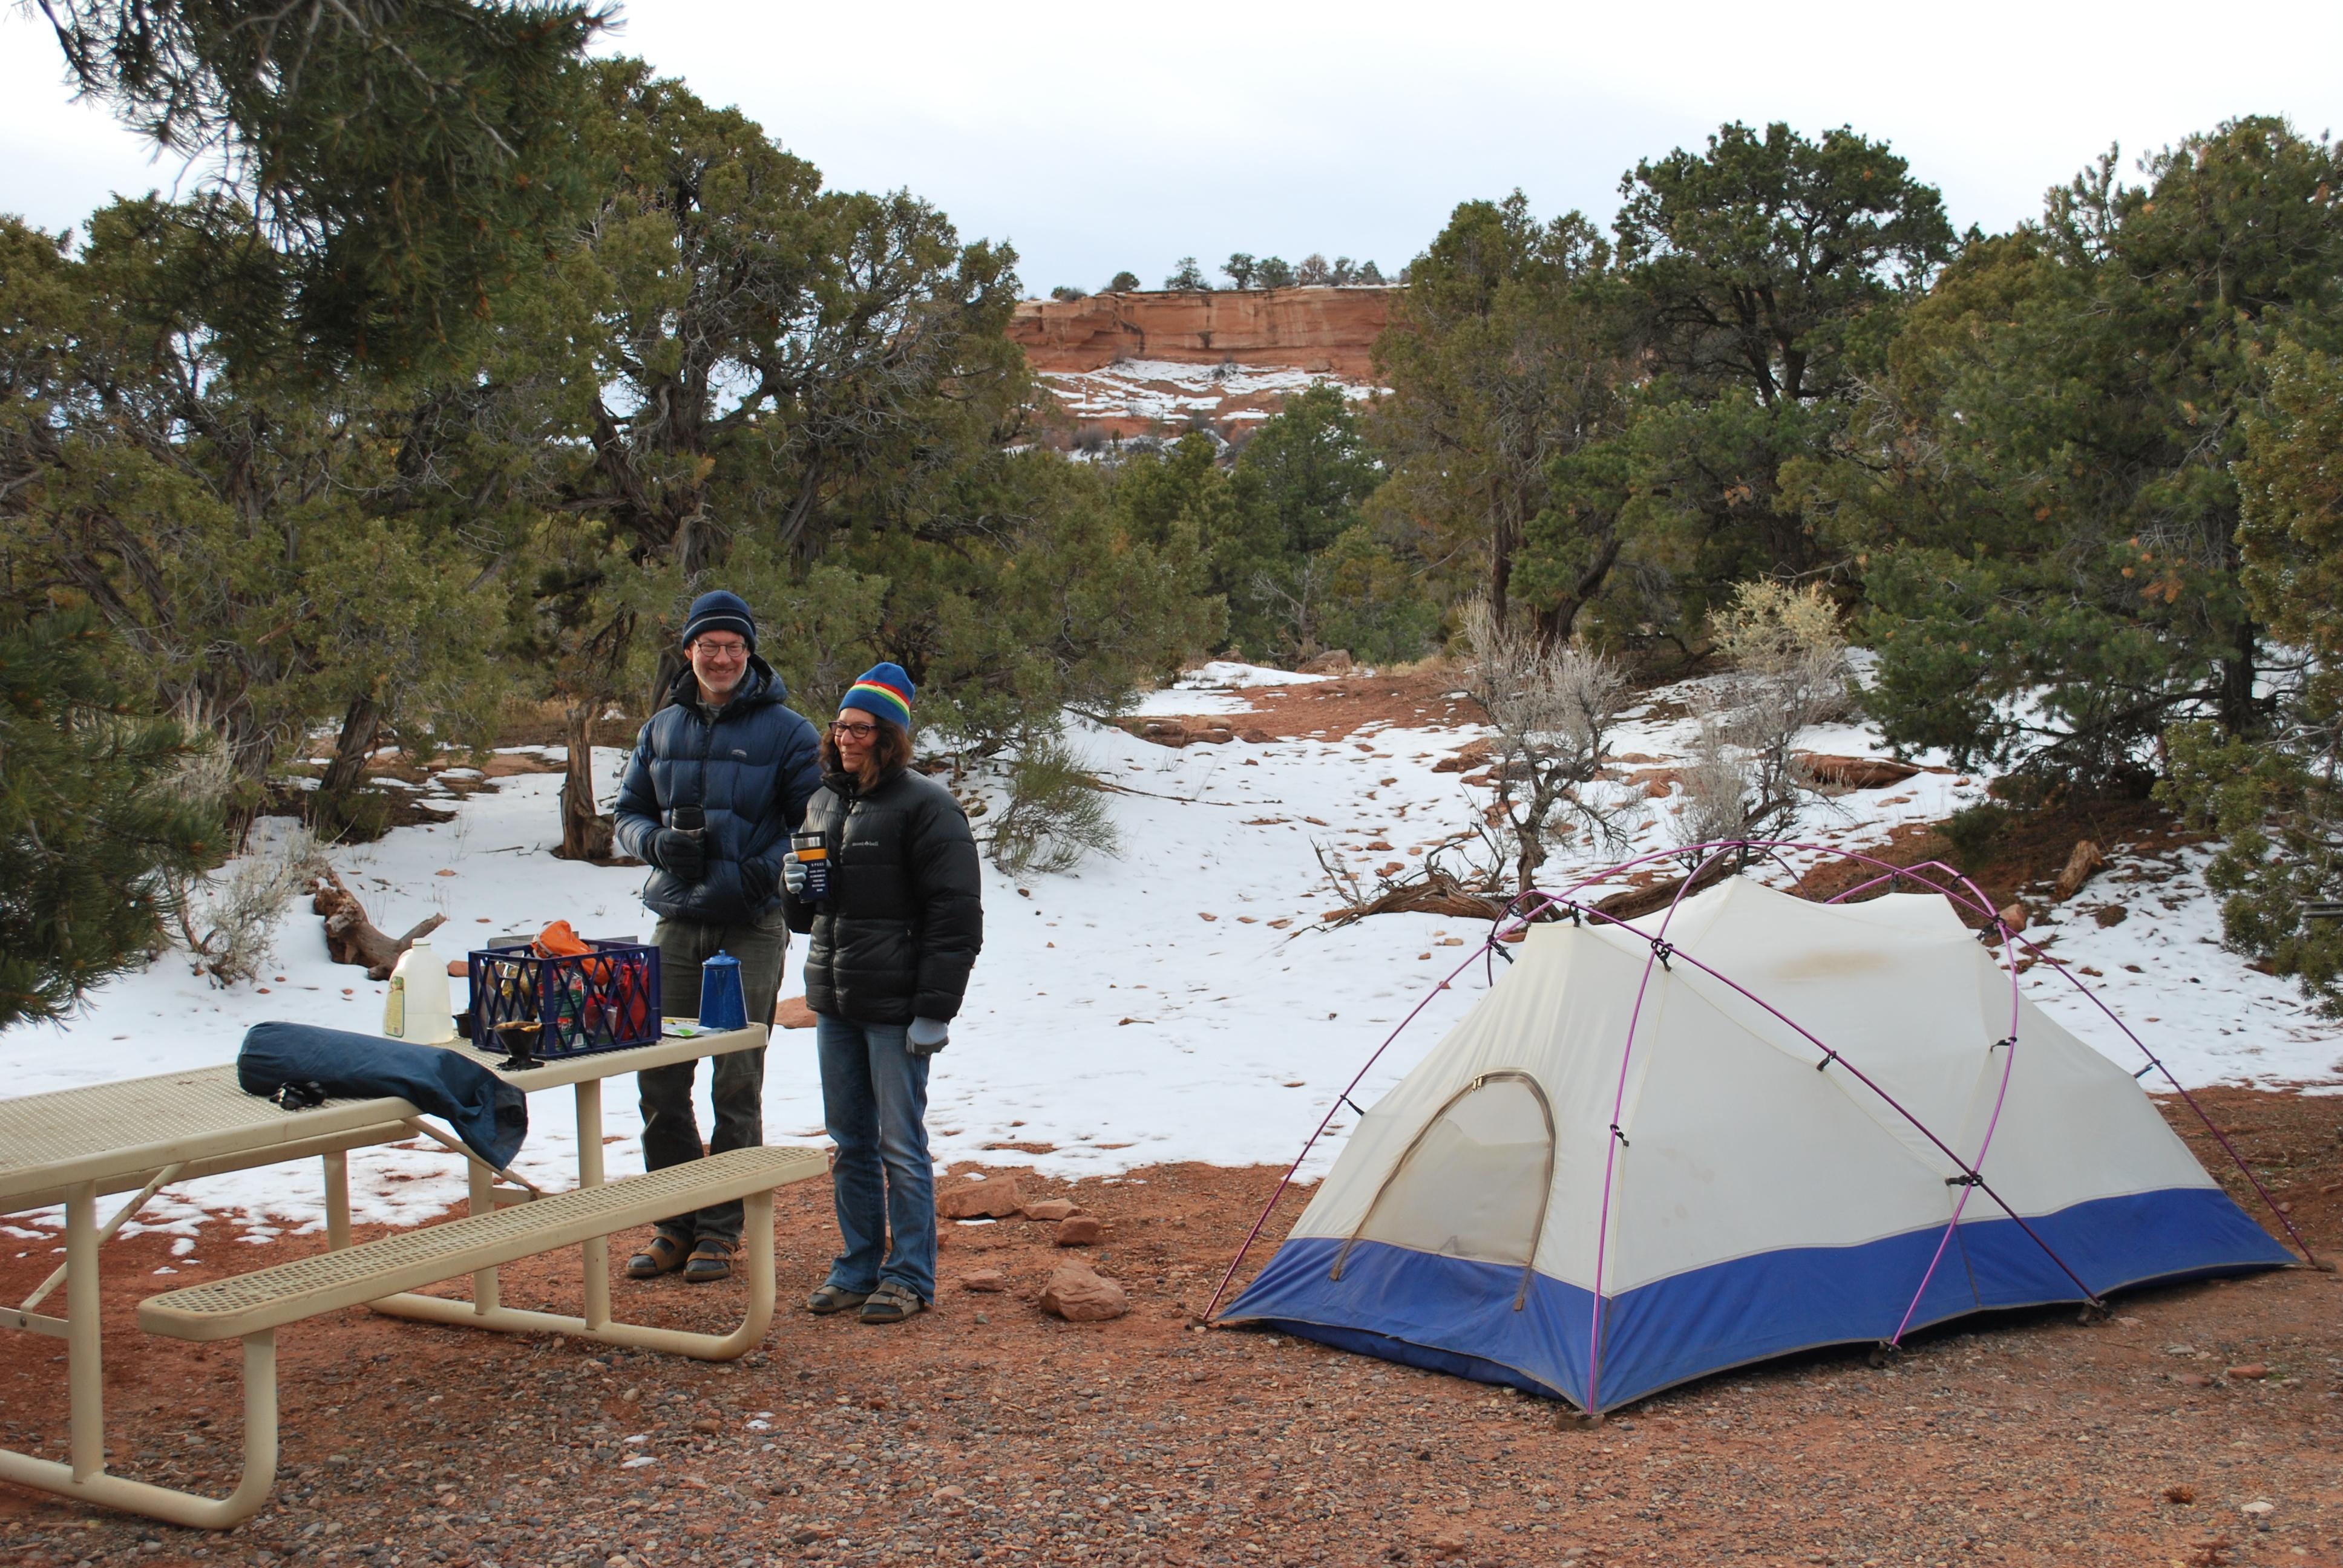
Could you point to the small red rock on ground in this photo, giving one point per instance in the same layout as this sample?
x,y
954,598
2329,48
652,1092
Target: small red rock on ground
x,y
791,1012
993,1199
1078,1231
1078,1295
984,1280
1049,1209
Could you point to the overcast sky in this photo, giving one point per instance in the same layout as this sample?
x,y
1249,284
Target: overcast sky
x,y
1097,137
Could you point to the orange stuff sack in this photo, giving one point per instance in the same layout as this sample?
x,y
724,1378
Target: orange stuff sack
x,y
558,940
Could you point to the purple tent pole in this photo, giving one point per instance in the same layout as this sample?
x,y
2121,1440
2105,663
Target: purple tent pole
x,y
1830,1056
2235,1158
1323,1122
1618,1107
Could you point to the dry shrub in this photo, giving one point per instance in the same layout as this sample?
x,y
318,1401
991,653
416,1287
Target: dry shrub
x,y
229,922
1553,706
1789,673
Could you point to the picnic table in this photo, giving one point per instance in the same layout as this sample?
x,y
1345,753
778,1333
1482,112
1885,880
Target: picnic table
x,y
137,1135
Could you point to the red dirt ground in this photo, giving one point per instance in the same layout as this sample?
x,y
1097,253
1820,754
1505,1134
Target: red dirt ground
x,y
987,1431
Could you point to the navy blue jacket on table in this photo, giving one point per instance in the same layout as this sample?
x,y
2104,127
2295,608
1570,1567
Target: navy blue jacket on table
x,y
750,766
489,1114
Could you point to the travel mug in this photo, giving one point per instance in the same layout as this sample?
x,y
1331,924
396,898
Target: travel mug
x,y
812,851
721,1005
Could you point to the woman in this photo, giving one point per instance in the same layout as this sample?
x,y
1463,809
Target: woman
x,y
892,942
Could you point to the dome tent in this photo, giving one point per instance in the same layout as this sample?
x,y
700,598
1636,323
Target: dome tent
x,y
1750,1125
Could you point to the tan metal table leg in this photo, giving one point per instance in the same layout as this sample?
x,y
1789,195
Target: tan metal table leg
x,y
166,1503
337,1200
486,1298
85,1368
589,1174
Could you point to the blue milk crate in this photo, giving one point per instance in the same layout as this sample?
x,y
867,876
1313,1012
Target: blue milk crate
x,y
606,999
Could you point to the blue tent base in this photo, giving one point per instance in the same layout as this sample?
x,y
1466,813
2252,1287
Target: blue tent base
x,y
1450,1314
1360,1341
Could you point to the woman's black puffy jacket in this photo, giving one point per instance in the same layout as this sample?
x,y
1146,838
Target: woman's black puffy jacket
x,y
899,930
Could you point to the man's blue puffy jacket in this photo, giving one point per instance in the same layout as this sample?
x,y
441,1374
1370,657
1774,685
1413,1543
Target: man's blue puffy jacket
x,y
751,765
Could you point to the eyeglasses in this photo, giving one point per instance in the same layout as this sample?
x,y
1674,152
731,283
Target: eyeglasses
x,y
727,648
859,731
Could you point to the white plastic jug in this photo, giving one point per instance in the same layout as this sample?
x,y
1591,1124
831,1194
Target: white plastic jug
x,y
416,1006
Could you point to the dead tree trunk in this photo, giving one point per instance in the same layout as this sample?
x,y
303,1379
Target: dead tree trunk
x,y
351,938
585,833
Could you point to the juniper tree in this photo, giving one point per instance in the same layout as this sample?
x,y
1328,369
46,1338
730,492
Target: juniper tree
x,y
2044,489
390,162
90,829
2276,795
1502,359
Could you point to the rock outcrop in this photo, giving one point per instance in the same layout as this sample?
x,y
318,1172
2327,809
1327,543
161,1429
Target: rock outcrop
x,y
1328,331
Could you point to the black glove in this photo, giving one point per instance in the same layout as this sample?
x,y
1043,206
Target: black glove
x,y
926,1036
756,883
680,854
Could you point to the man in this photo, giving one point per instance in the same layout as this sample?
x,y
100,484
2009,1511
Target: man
x,y
718,781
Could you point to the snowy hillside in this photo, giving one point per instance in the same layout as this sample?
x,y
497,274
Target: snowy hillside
x,y
1174,1003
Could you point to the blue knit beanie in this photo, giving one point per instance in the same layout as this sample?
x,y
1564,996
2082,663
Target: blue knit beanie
x,y
717,610
883,691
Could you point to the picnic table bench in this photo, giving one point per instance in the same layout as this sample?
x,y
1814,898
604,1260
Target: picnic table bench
x,y
74,1145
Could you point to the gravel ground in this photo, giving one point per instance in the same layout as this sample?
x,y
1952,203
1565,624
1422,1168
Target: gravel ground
x,y
2200,1426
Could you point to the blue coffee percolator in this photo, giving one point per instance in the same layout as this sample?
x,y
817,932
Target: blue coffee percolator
x,y
721,1005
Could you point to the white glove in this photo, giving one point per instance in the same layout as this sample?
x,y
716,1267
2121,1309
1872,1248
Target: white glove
x,y
793,874
927,1036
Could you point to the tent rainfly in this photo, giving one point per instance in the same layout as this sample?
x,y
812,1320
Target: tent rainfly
x,y
1661,1147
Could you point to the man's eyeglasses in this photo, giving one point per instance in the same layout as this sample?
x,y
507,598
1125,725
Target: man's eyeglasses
x,y
720,649
859,731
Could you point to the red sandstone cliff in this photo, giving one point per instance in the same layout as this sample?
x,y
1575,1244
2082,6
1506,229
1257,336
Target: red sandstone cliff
x,y
1328,330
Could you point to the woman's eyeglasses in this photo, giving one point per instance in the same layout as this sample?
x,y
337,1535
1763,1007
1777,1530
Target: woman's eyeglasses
x,y
859,731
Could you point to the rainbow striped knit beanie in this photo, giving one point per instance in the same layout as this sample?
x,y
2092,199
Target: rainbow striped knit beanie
x,y
883,691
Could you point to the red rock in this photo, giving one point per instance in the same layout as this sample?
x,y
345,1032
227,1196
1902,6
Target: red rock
x,y
1211,735
1319,330
1049,1209
2250,1370
1079,1295
791,1012
1855,772
996,1198
1078,1231
1163,732
984,1280
2013,915
1255,737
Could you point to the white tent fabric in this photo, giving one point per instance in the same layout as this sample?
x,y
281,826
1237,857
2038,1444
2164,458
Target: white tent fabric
x,y
1615,1120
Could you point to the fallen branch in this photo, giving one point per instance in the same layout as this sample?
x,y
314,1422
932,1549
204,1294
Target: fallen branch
x,y
351,938
1638,902
1431,892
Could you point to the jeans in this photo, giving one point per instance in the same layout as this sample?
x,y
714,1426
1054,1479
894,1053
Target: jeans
x,y
874,1105
670,1129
